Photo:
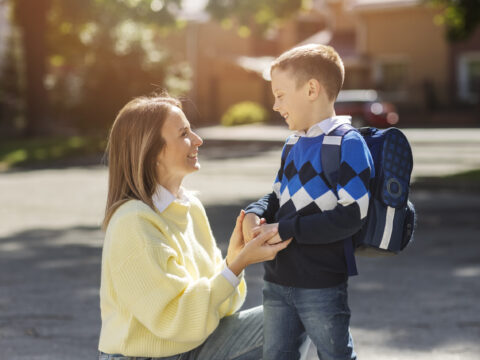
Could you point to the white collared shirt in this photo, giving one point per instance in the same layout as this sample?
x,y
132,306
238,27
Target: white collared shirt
x,y
325,126
162,198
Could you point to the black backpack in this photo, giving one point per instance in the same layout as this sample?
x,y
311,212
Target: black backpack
x,y
391,216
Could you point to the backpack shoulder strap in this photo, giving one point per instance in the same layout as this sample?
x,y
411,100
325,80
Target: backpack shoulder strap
x,y
330,153
330,158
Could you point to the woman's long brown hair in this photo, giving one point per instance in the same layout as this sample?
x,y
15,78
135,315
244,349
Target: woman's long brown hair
x,y
133,144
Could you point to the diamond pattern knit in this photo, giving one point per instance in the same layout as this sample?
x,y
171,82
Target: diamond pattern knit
x,y
301,180
315,215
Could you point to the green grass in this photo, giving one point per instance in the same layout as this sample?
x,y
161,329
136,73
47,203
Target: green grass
x,y
463,181
27,152
471,175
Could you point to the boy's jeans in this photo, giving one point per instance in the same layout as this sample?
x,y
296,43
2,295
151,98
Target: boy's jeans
x,y
292,313
237,337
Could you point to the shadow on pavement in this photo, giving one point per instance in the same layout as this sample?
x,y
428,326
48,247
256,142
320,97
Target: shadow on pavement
x,y
424,299
49,282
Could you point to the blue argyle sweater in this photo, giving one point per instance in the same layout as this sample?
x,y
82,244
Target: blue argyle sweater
x,y
317,216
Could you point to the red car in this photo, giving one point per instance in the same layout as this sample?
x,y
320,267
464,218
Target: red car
x,y
366,108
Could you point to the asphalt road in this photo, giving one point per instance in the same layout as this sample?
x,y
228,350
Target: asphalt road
x,y
422,304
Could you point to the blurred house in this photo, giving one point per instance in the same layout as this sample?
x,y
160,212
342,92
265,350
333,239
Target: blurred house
x,y
408,56
389,45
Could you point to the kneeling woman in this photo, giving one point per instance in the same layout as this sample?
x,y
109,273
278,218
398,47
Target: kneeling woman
x,y
165,290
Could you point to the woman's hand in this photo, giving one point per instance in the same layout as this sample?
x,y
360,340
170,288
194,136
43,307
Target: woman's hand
x,y
250,223
240,255
263,228
236,243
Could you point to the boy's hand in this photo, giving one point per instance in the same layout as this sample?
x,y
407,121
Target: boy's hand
x,y
250,222
240,254
265,228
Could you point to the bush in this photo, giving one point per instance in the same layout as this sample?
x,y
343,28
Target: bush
x,y
246,112
47,150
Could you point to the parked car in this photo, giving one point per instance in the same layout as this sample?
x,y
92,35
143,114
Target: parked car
x,y
366,108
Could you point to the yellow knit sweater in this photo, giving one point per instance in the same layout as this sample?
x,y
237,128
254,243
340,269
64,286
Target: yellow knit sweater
x,y
162,291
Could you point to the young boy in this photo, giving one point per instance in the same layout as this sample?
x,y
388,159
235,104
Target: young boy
x,y
305,288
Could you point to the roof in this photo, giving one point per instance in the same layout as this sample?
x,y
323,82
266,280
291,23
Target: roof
x,y
194,10
259,65
322,37
344,42
365,5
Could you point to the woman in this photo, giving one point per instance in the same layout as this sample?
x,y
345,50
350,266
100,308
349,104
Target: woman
x,y
165,291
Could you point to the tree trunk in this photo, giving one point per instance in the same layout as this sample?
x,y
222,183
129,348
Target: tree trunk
x,y
31,17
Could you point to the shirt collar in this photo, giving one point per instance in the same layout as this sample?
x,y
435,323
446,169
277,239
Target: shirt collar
x,y
162,198
325,126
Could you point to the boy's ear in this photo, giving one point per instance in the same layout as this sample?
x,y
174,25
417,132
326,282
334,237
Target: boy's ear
x,y
314,88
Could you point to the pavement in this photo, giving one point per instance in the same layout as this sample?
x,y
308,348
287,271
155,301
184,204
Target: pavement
x,y
436,152
421,304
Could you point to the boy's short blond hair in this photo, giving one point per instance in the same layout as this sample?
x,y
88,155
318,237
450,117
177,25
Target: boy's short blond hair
x,y
313,61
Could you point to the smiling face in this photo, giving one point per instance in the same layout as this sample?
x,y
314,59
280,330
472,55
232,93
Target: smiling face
x,y
179,156
292,102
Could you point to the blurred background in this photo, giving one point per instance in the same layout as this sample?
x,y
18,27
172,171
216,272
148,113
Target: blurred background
x,y
68,66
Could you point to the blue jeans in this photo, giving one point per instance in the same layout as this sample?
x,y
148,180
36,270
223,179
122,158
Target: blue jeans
x,y
237,337
290,314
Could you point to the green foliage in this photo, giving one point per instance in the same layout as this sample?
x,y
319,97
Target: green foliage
x,y
105,52
461,17
262,14
19,153
243,113
102,53
472,175
463,181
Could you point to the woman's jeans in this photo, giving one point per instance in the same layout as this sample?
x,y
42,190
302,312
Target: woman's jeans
x,y
290,314
237,337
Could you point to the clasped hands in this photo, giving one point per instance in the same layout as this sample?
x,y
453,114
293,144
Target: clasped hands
x,y
253,241
254,226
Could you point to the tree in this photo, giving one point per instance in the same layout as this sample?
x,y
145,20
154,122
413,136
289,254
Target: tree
x,y
257,14
81,59
10,88
52,33
104,52
461,17
31,17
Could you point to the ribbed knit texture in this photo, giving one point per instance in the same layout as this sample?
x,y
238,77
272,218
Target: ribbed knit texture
x,y
162,292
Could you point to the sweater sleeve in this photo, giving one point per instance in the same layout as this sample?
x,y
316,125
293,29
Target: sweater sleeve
x,y
265,207
152,282
353,196
235,300
268,205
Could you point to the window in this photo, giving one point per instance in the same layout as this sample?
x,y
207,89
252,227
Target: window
x,y
469,77
356,78
393,76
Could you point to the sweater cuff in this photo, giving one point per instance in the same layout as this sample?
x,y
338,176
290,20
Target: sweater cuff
x,y
286,228
230,276
256,211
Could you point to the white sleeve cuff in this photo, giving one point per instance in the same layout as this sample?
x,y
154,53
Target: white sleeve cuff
x,y
230,276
